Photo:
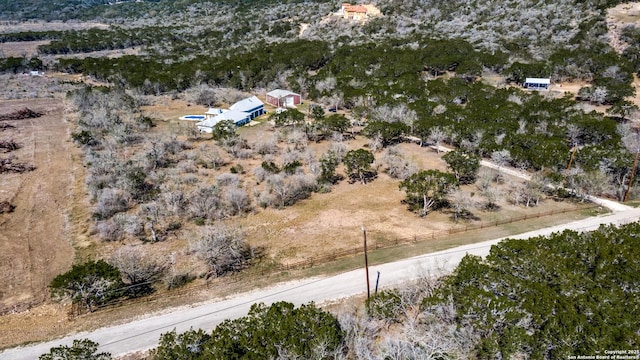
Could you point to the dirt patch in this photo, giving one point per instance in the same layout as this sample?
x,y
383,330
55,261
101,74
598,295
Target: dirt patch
x,y
22,48
617,18
110,54
12,26
34,236
168,110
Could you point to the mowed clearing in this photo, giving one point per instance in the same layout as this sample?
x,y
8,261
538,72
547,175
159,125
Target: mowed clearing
x,y
35,239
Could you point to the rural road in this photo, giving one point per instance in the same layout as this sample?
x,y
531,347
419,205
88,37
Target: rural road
x,y
143,334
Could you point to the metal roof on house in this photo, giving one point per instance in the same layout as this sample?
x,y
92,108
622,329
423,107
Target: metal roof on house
x,y
354,8
215,111
233,115
247,105
279,93
537,81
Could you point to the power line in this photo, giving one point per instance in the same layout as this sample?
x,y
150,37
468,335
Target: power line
x,y
212,312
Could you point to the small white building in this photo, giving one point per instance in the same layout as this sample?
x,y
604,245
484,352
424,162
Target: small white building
x,y
537,83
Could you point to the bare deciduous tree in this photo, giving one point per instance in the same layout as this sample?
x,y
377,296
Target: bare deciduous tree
x,y
290,189
460,202
501,157
173,201
267,146
436,136
397,166
298,138
237,199
211,158
526,193
376,143
491,195
205,96
112,201
339,149
631,140
223,248
205,203
136,266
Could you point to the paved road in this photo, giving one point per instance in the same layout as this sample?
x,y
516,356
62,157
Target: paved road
x,y
144,333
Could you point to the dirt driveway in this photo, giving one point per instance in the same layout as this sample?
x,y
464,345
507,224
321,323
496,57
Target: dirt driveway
x,y
34,238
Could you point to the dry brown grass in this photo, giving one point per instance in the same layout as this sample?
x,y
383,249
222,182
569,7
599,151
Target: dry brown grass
x,y
35,25
34,237
317,226
617,18
22,48
326,223
48,321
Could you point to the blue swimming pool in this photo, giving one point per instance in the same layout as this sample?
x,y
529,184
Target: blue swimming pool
x,y
192,117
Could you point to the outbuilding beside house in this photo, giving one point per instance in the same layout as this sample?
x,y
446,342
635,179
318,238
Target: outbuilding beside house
x,y
537,83
283,98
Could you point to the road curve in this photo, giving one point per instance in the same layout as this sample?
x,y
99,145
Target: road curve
x,y
144,333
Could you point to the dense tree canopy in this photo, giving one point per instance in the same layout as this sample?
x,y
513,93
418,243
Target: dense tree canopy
x,y
89,284
551,297
358,164
427,190
267,332
83,349
464,165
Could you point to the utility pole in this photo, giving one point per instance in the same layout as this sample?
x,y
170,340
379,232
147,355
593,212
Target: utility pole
x,y
366,261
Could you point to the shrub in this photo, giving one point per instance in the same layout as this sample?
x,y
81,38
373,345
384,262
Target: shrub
x,y
223,249
268,146
228,180
205,203
90,284
287,190
138,269
84,137
267,332
110,202
385,305
396,165
81,349
237,200
178,279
